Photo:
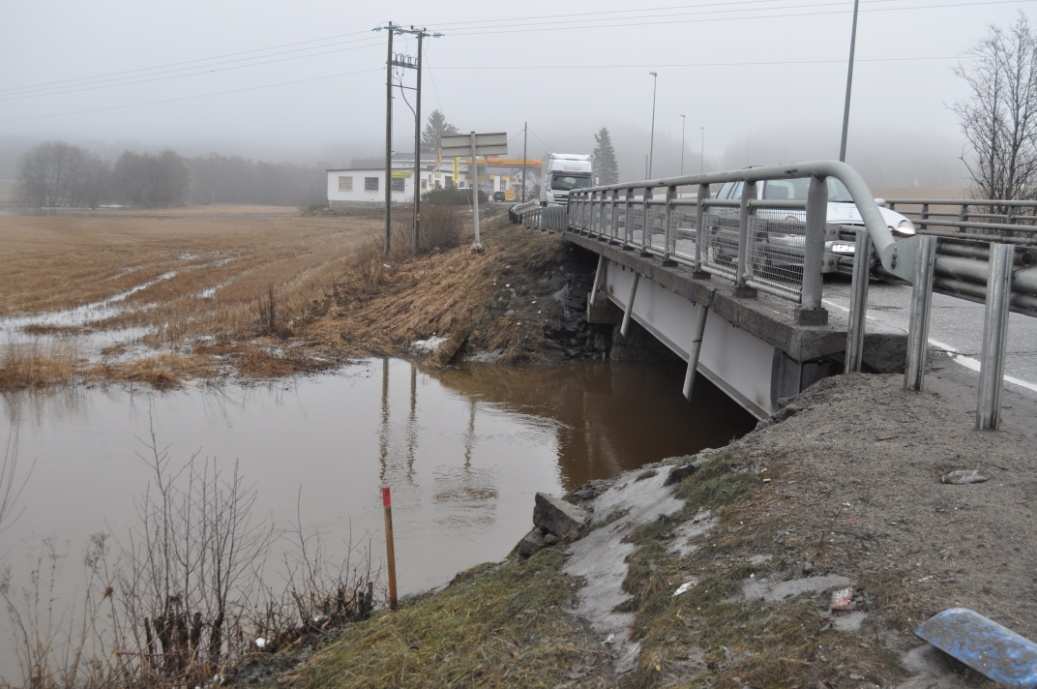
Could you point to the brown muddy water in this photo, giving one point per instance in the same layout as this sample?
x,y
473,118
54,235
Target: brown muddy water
x,y
464,451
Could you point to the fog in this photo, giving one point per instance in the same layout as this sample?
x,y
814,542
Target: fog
x,y
304,82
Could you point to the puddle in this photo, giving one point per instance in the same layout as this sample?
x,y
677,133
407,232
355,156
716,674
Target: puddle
x,y
463,450
777,591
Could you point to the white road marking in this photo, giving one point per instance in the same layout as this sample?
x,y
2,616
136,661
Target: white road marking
x,y
971,363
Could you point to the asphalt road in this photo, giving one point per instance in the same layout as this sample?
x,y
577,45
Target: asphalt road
x,y
956,326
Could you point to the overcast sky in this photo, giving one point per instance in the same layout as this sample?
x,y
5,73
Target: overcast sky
x,y
304,80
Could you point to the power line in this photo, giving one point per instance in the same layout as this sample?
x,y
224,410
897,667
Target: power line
x,y
692,65
179,73
182,63
701,18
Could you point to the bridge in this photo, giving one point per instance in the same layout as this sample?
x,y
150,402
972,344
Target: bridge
x,y
733,281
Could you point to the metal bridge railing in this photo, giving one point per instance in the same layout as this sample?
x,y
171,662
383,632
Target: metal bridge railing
x,y
762,245
983,251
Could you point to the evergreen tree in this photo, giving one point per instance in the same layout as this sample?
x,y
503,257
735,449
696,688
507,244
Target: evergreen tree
x,y
436,128
606,170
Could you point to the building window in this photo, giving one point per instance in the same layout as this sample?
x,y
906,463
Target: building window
x,y
397,183
345,183
370,184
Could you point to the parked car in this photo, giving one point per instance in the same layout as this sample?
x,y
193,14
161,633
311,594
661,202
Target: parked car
x,y
781,235
498,196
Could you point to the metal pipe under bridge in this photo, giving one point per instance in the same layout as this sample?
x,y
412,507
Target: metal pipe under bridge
x,y
733,283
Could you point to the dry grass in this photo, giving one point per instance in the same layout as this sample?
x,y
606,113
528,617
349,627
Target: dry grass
x,y
505,626
383,307
36,366
50,263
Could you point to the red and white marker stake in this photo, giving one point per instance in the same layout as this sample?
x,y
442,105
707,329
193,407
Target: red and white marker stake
x,y
390,546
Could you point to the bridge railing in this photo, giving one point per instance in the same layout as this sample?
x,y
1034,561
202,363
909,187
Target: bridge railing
x,y
983,250
775,246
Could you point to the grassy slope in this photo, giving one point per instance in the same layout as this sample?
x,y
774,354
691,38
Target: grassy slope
x,y
495,626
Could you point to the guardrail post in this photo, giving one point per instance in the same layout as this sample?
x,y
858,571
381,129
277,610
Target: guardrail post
x,y
995,336
614,222
924,222
810,311
858,302
921,300
744,241
964,215
668,236
700,233
646,235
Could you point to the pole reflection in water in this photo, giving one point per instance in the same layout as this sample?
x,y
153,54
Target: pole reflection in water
x,y
476,445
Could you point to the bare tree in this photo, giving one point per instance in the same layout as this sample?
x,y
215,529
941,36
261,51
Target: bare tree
x,y
999,119
59,174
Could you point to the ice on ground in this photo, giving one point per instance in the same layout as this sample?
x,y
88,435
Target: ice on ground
x,y
600,558
429,345
777,591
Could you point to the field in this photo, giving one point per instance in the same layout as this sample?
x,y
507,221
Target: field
x,y
147,294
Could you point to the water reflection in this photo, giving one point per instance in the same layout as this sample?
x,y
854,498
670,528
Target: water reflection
x,y
464,451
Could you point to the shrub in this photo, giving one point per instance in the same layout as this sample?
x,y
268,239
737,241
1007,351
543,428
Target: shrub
x,y
452,197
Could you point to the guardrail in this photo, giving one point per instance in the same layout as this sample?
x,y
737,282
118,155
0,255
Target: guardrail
x,y
961,260
1008,220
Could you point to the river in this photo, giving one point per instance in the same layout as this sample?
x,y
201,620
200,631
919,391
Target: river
x,y
463,451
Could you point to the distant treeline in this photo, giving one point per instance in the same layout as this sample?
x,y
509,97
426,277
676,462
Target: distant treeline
x,y
57,174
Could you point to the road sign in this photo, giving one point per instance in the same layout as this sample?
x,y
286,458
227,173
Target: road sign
x,y
486,144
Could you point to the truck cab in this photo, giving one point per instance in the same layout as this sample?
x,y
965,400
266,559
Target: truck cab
x,y
563,172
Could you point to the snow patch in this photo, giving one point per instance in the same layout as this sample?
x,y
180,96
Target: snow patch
x,y
429,345
600,558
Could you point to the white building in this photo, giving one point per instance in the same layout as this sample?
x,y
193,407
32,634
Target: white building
x,y
366,185
352,186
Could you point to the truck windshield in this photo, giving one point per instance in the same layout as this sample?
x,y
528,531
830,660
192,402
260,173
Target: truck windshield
x,y
567,181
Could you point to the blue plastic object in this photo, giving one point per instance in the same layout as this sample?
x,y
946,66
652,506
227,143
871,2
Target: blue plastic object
x,y
984,645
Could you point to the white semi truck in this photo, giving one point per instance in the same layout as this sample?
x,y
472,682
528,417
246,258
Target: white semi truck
x,y
563,172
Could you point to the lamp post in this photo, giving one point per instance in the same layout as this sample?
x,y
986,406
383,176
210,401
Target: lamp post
x,y
684,121
849,84
651,140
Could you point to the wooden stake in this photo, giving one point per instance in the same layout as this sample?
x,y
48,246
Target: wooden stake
x,y
390,546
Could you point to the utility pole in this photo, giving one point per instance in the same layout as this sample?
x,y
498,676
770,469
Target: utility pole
x,y
391,28
651,140
405,62
525,134
415,235
684,121
849,84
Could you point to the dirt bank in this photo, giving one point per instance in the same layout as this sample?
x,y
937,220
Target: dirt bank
x,y
756,537
521,300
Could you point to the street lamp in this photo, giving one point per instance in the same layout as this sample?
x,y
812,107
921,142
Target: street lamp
x,y
651,141
684,120
849,84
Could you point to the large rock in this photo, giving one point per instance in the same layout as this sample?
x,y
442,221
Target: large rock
x,y
555,516
530,543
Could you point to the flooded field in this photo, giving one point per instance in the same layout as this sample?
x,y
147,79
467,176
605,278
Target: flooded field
x,y
463,450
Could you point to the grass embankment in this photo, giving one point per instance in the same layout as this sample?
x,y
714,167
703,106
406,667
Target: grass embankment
x,y
495,626
494,301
